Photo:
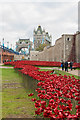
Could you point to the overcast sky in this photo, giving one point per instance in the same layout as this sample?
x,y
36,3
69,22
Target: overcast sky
x,y
18,19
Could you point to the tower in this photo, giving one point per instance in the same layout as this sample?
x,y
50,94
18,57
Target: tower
x,y
41,37
23,43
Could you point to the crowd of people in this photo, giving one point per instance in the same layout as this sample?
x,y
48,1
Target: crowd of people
x,y
66,64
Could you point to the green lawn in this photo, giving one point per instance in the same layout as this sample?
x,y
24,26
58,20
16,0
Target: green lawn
x,y
7,65
0,94
15,100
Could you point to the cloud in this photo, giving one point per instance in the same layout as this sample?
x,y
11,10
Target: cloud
x,y
18,20
21,1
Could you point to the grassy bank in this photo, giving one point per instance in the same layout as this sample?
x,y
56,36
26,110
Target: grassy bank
x,y
15,100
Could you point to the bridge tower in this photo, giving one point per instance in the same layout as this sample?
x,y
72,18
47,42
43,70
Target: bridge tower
x,y
23,43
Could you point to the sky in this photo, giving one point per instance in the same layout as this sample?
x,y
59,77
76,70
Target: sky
x,y
19,18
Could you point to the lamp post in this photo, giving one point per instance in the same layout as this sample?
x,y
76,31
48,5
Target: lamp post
x,y
11,46
8,45
2,49
1,54
3,43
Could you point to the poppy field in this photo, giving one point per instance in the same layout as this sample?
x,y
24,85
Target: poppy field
x,y
58,96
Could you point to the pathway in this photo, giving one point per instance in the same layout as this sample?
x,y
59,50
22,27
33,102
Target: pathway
x,y
74,72
5,67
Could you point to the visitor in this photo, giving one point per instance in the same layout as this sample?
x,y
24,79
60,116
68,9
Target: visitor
x,y
3,61
66,66
62,65
71,64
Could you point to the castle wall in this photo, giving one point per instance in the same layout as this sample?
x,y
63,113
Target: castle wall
x,y
69,50
66,48
34,55
78,47
59,50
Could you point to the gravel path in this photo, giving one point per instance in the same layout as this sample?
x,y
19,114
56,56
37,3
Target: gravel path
x,y
5,67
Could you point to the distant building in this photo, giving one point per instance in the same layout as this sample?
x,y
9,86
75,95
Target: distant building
x,y
41,37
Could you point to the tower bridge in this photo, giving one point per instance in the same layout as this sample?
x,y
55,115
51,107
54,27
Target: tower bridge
x,y
23,43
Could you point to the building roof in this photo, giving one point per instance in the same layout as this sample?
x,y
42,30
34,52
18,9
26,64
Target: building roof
x,y
39,29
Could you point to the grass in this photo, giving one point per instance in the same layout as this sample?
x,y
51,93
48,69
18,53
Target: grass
x,y
7,65
77,68
46,67
57,71
15,101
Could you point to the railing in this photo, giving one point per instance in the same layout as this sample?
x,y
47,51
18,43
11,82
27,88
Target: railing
x,y
9,50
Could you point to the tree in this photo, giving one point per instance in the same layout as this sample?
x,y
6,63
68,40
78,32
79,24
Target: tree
x,y
41,47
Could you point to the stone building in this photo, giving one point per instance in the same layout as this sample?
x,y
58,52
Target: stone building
x,y
67,47
40,37
63,48
23,43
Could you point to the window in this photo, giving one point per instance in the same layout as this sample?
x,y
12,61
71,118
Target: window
x,y
68,39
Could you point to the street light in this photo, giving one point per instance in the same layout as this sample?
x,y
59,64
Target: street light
x,y
3,43
8,45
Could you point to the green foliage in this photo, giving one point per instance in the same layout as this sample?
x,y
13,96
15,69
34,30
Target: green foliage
x,y
41,47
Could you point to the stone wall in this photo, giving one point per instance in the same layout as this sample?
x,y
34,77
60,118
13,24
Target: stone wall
x,y
19,57
66,48
58,49
69,47
78,47
34,55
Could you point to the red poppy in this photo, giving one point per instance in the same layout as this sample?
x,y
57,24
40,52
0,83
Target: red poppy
x,y
31,94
